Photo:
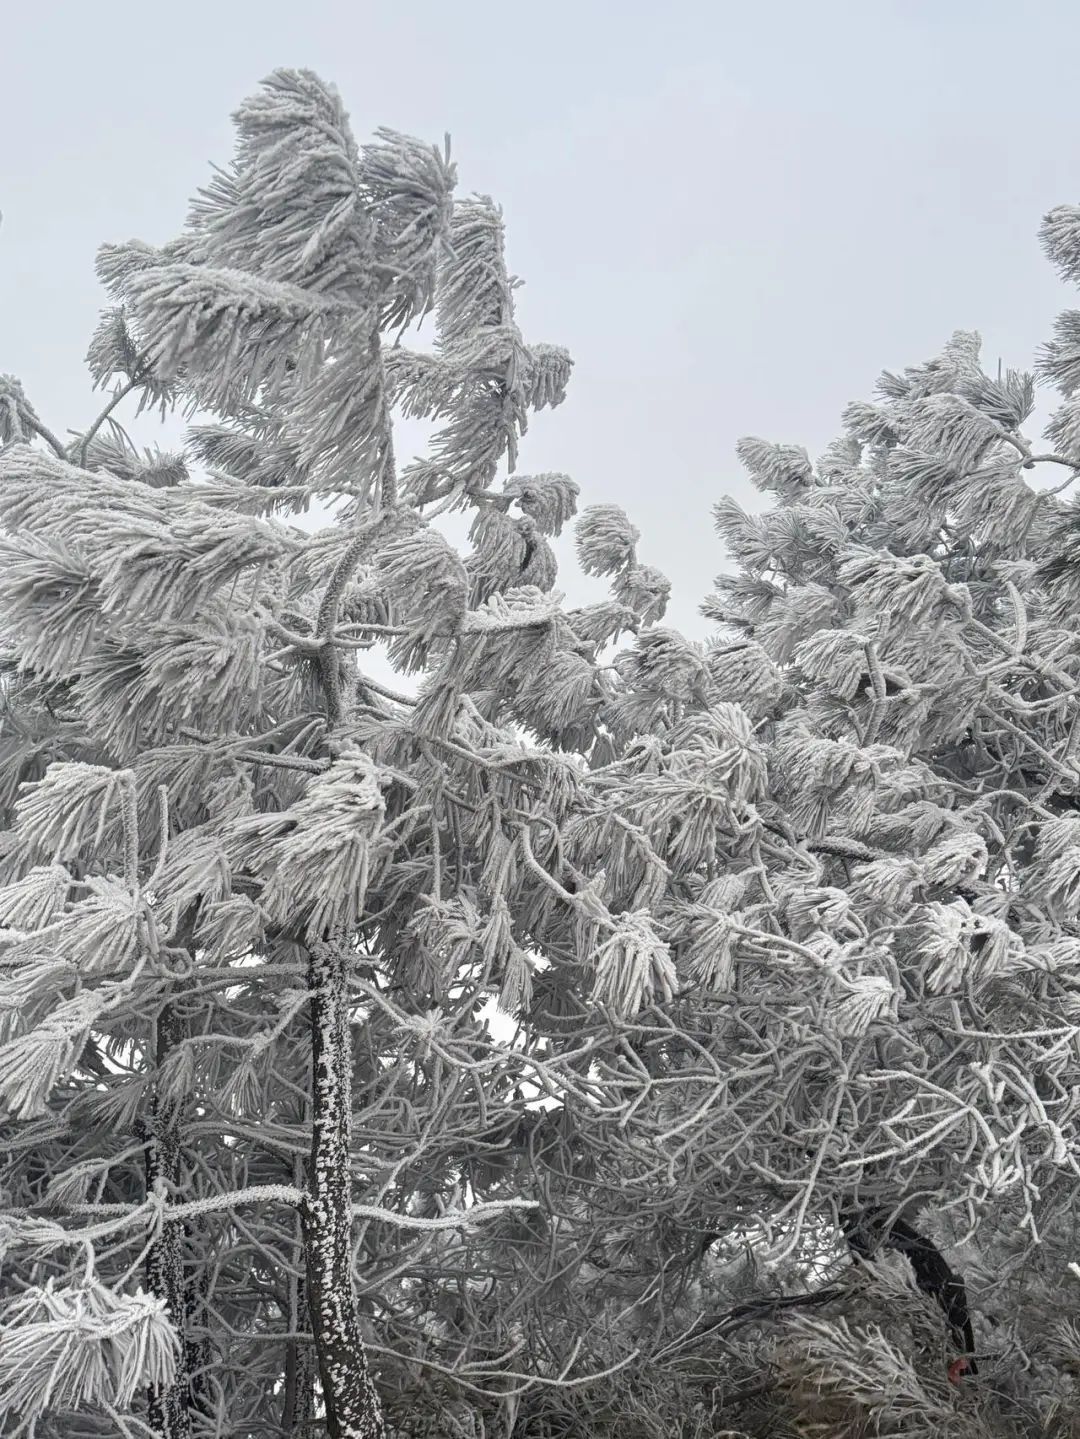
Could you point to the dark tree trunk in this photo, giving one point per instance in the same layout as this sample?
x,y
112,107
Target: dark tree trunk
x,y
298,1409
866,1229
352,1405
168,1410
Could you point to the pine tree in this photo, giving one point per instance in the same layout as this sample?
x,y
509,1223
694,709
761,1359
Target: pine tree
x,y
784,1136
906,614
257,903
867,1077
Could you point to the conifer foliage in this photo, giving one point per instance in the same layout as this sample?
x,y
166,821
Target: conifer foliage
x,y
778,1134
254,900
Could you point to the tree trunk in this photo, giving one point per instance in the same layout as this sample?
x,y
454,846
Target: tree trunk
x,y
352,1405
168,1410
298,1408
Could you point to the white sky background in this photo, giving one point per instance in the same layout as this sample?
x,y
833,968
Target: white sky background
x,y
733,220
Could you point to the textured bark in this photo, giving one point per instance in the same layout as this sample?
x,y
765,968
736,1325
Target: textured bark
x,y
352,1405
168,1410
298,1407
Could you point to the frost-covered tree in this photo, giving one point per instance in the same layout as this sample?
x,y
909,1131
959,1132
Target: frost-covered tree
x,y
902,626
785,926
255,901
844,1202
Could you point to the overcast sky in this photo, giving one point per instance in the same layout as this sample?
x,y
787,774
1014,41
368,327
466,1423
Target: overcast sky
x,y
734,215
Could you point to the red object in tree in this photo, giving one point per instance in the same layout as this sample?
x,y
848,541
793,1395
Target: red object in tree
x,y
957,1369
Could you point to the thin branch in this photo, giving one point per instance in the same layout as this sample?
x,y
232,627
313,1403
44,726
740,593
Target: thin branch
x,y
121,393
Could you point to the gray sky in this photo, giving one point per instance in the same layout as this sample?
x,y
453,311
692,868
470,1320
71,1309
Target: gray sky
x,y
734,220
